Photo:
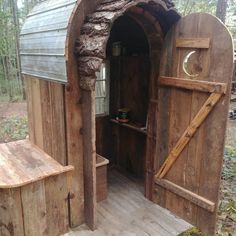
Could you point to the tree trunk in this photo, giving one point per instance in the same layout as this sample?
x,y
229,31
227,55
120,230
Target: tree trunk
x,y
17,45
221,9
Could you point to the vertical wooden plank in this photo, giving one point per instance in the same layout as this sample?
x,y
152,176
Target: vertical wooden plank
x,y
104,138
73,106
58,123
89,134
56,205
213,151
30,111
195,150
115,70
179,119
11,218
152,130
73,97
34,208
53,113
162,116
37,112
74,136
46,109
46,115
151,148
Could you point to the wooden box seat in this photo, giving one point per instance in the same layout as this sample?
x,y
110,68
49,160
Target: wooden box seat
x,y
101,175
33,191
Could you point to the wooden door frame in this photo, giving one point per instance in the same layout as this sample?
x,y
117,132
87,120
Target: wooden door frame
x,y
89,152
89,124
90,60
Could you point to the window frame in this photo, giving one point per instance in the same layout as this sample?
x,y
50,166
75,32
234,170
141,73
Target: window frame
x,y
106,98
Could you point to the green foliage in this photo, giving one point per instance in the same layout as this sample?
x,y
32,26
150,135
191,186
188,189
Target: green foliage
x,y
13,128
227,207
11,18
186,7
231,18
229,169
10,83
192,232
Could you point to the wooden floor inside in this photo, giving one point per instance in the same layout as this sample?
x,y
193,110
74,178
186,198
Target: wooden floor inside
x,y
127,212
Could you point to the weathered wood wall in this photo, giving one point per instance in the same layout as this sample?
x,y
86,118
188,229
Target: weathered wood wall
x,y
104,137
46,114
129,88
33,209
33,190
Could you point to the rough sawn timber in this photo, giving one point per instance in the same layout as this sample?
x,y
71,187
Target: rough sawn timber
x,y
188,195
198,168
198,85
188,134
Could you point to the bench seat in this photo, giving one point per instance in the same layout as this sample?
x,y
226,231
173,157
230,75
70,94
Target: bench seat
x,y
33,191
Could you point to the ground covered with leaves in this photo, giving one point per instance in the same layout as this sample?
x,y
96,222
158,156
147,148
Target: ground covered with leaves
x,y
13,122
226,225
227,207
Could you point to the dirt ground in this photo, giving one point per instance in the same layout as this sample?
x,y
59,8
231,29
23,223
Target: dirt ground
x,y
12,109
13,121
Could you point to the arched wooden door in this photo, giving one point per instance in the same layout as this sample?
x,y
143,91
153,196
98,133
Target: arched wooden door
x,y
188,121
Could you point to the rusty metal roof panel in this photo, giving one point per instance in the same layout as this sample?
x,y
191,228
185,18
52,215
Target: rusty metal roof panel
x,y
42,40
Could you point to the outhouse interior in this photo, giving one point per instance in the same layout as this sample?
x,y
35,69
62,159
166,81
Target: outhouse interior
x,y
126,85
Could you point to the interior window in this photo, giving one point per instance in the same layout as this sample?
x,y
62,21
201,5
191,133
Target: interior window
x,y
102,90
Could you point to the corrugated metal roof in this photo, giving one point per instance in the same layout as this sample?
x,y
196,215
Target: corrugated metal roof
x,y
42,40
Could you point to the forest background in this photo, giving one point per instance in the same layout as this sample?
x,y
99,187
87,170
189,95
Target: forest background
x,y
14,12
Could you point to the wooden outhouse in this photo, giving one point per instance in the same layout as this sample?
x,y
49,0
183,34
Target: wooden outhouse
x,y
129,87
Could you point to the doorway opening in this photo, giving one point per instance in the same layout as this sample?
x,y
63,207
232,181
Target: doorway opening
x,y
122,95
124,88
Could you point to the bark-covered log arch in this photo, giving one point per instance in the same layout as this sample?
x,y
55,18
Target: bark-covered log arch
x,y
155,17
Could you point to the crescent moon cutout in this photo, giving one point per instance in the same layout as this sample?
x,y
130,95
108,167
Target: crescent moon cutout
x,y
185,63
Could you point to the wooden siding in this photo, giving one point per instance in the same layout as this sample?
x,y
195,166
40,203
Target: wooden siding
x,y
33,209
46,114
32,187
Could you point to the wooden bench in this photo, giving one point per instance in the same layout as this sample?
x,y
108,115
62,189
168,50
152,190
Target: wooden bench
x,y
33,191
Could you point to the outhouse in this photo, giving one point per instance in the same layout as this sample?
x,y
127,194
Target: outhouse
x,y
132,88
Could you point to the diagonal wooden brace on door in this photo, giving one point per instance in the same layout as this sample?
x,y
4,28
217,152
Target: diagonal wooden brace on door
x,y
216,89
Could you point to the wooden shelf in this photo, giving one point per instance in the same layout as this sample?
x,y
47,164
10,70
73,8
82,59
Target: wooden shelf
x,y
130,126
